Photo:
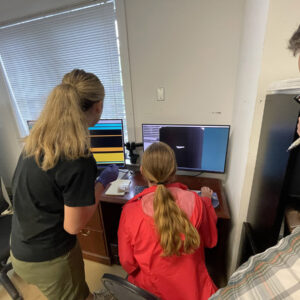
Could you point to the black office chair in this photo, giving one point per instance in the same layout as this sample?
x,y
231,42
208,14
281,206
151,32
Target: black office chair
x,y
122,289
5,228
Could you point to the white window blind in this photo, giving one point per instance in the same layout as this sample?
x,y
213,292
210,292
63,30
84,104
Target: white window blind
x,y
35,55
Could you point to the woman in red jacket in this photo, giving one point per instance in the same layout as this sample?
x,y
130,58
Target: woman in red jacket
x,y
163,232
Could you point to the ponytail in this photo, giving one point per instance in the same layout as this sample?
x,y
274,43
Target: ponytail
x,y
175,230
61,130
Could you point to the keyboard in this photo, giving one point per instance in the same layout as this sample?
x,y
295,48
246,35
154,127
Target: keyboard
x,y
139,188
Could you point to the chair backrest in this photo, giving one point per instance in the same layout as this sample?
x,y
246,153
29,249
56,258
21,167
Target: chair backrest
x,y
122,289
4,198
5,228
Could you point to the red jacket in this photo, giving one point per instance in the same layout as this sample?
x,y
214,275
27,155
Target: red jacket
x,y
182,277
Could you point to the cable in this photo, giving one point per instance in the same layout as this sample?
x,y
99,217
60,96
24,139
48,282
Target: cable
x,y
198,174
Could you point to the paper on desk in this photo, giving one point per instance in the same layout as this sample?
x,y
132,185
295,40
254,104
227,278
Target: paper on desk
x,y
114,187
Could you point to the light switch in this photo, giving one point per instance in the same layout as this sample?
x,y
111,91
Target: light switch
x,y
160,94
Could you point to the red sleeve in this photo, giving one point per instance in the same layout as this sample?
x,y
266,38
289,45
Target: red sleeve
x,y
206,223
125,245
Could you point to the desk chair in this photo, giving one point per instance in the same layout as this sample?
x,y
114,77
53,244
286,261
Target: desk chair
x,y
122,289
5,229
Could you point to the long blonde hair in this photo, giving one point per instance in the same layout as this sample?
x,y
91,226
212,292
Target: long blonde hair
x,y
159,167
61,131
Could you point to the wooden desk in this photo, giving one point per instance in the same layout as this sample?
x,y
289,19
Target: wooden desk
x,y
99,239
194,183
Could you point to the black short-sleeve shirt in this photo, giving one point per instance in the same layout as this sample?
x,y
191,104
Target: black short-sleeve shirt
x,y
38,200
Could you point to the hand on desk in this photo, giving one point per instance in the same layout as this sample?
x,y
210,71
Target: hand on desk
x,y
206,192
108,175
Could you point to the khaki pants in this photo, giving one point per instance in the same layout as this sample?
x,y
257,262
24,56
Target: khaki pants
x,y
61,278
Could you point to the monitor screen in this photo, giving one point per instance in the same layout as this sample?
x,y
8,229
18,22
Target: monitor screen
x,y
197,147
107,142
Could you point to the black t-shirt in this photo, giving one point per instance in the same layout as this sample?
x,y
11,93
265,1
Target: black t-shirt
x,y
38,200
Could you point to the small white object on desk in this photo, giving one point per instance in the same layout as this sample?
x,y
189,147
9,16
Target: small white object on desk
x,y
118,187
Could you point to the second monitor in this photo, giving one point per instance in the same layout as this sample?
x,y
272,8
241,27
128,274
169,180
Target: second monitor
x,y
196,147
107,142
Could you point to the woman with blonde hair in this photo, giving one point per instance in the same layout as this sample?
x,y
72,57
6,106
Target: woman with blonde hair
x,y
55,189
163,232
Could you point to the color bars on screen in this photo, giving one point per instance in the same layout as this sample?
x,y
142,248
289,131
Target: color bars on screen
x,y
107,143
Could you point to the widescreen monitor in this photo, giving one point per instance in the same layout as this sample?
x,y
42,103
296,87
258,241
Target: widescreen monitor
x,y
107,142
197,147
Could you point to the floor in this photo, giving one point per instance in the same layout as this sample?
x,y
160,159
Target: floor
x,y
93,272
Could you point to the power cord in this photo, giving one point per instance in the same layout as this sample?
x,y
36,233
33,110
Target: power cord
x,y
200,173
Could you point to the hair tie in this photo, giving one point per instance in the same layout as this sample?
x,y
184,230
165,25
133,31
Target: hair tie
x,y
160,183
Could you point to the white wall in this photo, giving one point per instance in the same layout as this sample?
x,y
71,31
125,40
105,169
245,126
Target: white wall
x,y
251,50
191,49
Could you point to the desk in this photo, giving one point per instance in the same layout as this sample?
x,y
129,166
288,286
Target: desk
x,y
99,239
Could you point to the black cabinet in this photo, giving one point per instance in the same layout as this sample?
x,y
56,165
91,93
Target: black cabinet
x,y
276,179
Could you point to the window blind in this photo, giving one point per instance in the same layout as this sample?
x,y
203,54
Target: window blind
x,y
37,53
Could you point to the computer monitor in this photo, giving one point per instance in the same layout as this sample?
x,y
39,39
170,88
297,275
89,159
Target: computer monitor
x,y
107,142
197,147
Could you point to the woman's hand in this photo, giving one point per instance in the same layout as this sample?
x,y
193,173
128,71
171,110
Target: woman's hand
x,y
298,126
108,175
206,192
